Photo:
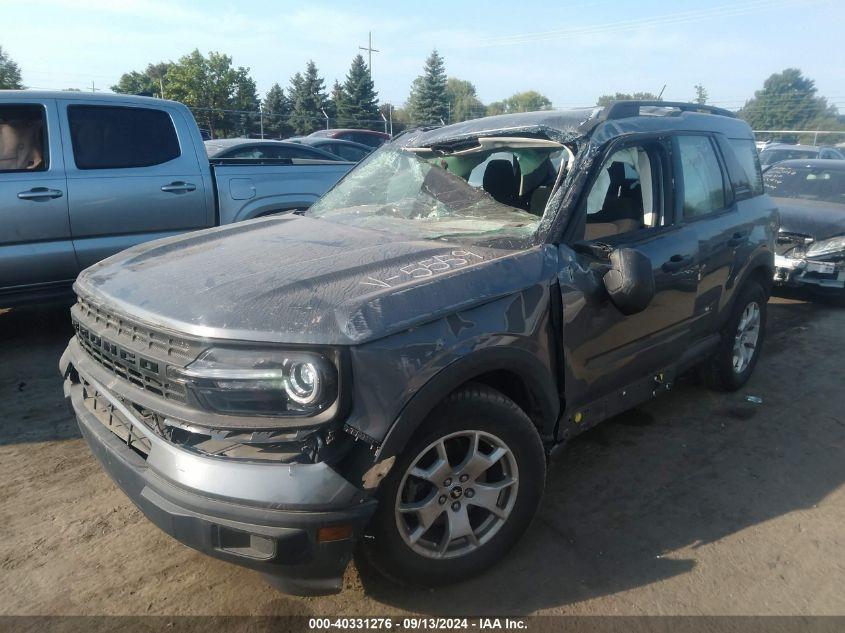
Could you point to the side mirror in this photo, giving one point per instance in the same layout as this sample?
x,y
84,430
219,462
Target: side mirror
x,y
630,280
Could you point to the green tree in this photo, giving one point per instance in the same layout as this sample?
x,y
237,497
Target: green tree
x,y
399,117
335,99
429,102
463,100
213,88
246,104
527,101
358,107
701,95
308,98
624,96
10,73
276,112
789,101
148,83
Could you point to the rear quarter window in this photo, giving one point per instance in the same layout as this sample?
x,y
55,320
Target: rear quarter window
x,y
746,153
116,137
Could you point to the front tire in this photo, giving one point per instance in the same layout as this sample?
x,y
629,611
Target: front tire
x,y
462,492
742,340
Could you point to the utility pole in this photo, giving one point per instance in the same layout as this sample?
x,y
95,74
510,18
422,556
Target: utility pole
x,y
93,89
370,50
261,120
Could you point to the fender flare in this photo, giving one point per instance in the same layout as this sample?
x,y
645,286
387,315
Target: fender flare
x,y
537,378
761,259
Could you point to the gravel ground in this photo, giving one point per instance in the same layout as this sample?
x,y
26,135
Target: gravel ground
x,y
697,503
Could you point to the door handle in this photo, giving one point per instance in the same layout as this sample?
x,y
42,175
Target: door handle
x,y
179,187
738,238
676,262
39,193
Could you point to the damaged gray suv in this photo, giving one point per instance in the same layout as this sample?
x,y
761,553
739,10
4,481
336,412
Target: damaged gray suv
x,y
389,372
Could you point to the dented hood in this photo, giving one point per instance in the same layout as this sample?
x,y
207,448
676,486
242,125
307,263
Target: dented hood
x,y
816,218
295,279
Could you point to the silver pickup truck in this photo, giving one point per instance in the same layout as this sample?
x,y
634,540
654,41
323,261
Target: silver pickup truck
x,y
83,176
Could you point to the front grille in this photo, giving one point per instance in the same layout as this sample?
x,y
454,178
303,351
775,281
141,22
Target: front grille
x,y
132,351
279,446
136,335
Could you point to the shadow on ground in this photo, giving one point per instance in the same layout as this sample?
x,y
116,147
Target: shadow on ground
x,y
32,407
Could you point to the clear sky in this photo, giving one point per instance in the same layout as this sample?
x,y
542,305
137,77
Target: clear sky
x,y
570,50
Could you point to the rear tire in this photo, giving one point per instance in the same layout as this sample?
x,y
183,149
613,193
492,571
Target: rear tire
x,y
732,364
461,493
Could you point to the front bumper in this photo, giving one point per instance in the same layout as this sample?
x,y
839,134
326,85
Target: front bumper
x,y
262,516
805,273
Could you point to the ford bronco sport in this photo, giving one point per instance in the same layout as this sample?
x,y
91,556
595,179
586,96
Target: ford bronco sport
x,y
392,368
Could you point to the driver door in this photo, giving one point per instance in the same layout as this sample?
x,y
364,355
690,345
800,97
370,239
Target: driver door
x,y
610,356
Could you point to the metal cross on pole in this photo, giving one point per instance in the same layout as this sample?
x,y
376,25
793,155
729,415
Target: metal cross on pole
x,y
370,50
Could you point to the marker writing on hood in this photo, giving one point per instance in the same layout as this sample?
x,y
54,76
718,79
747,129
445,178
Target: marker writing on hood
x,y
427,267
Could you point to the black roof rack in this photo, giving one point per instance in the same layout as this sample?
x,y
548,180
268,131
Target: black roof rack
x,y
625,109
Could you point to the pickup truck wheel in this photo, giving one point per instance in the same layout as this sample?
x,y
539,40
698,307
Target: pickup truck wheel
x,y
742,340
461,493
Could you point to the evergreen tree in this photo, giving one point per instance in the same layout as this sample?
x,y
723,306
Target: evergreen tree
x,y
333,104
700,94
245,100
308,99
429,102
276,112
10,72
359,106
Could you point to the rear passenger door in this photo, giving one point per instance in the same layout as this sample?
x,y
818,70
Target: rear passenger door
x,y
132,176
35,242
707,203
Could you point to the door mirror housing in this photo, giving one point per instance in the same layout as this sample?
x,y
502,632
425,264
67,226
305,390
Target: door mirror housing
x,y
630,280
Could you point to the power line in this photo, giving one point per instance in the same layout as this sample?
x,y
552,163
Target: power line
x,y
739,8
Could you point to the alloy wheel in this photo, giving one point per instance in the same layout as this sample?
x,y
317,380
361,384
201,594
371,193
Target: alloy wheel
x,y
456,494
746,338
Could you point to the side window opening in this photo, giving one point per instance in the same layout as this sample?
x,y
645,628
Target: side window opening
x,y
23,138
622,198
117,137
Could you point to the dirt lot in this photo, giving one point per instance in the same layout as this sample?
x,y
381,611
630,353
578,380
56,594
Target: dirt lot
x,y
699,503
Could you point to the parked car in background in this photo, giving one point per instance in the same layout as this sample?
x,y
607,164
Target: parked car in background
x,y
347,150
810,195
85,175
776,152
393,366
365,137
264,149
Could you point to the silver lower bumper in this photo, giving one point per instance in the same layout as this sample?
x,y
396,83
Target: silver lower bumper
x,y
308,487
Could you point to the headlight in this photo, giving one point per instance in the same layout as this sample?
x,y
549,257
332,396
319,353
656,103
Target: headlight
x,y
255,382
827,247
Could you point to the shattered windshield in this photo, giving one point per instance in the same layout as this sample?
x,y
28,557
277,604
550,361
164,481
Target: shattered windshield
x,y
807,183
488,192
